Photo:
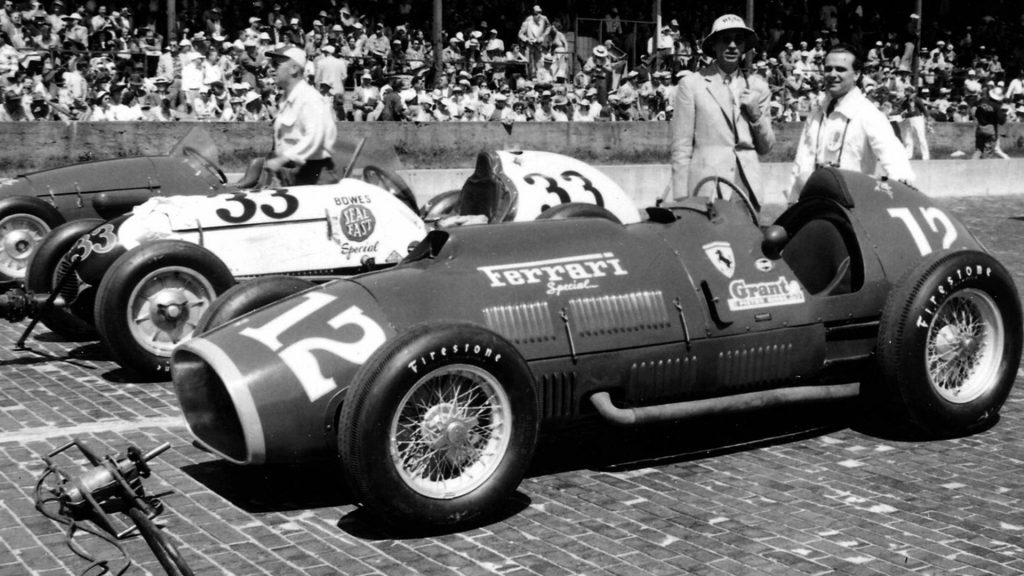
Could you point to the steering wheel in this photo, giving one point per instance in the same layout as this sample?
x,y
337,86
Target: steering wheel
x,y
391,182
718,180
204,162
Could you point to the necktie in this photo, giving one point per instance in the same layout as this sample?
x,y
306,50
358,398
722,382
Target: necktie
x,y
831,107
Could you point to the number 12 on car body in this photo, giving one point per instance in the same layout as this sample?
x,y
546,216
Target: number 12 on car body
x,y
934,218
299,357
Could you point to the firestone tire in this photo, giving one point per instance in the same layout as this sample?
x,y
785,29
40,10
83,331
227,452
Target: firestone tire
x,y
24,221
949,342
151,299
578,210
439,426
247,296
43,275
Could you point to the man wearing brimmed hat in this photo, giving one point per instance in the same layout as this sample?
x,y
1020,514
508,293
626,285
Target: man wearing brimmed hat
x,y
845,130
720,122
534,33
304,129
989,115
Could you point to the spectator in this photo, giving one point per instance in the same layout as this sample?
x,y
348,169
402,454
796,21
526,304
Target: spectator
x,y
331,70
912,127
534,34
989,116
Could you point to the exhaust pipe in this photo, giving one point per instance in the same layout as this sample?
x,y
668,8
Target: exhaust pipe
x,y
725,405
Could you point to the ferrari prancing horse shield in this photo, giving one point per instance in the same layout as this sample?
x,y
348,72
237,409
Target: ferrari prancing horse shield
x,y
720,254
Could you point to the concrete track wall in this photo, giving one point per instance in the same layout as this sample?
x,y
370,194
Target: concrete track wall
x,y
28,146
646,183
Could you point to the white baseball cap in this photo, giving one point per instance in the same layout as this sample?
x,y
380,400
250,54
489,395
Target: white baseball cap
x,y
297,55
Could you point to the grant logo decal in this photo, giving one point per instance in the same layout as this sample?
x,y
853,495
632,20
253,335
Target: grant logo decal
x,y
357,222
745,295
557,275
720,254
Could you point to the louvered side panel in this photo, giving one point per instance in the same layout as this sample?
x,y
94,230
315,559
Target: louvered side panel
x,y
650,382
521,323
605,315
757,365
556,395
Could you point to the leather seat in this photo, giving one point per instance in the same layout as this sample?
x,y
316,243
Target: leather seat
x,y
485,192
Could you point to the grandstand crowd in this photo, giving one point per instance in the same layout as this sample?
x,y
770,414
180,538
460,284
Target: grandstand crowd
x,y
64,60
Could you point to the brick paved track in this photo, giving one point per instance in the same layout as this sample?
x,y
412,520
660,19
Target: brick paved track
x,y
781,493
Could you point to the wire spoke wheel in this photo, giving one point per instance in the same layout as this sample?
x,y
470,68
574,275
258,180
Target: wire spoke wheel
x,y
165,307
965,346
451,431
19,236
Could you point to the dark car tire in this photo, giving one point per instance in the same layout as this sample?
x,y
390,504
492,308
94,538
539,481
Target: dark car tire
x,y
578,210
247,296
398,394
24,221
925,317
392,182
152,297
43,276
444,204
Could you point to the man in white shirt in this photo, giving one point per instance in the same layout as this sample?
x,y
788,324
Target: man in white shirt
x,y
304,129
846,130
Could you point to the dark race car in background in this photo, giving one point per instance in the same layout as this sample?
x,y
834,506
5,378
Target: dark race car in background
x,y
429,380
143,280
32,204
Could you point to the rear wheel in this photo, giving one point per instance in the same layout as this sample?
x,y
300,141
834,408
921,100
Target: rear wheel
x,y
24,220
45,274
151,299
439,425
950,342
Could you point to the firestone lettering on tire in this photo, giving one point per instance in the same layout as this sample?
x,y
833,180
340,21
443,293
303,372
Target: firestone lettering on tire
x,y
953,281
464,349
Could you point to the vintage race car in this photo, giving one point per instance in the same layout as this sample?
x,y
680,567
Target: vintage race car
x,y
144,279
32,204
430,379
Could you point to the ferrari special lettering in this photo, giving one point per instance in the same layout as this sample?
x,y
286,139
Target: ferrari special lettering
x,y
559,274
750,295
299,356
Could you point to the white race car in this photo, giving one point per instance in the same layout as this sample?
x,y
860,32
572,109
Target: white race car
x,y
144,280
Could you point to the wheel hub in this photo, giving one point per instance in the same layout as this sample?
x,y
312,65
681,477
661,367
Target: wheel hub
x,y
18,244
170,306
446,430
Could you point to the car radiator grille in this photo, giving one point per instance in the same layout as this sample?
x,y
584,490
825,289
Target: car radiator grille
x,y
68,288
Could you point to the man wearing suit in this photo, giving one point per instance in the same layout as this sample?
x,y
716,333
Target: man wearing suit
x,y
721,121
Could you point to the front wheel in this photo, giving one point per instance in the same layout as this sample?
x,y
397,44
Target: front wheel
x,y
439,426
950,341
47,271
151,299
